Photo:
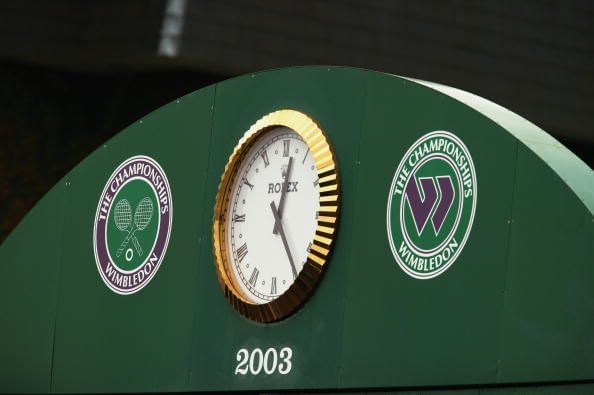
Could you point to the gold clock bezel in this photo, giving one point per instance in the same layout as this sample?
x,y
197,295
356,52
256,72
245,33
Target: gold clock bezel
x,y
325,161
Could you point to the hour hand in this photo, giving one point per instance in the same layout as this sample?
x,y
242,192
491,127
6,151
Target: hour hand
x,y
283,237
281,204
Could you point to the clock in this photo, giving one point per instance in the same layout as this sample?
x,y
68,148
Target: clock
x,y
276,216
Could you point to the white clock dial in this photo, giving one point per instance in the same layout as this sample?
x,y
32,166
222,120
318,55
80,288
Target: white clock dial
x,y
276,215
265,261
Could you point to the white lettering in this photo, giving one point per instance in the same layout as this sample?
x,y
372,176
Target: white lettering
x,y
271,361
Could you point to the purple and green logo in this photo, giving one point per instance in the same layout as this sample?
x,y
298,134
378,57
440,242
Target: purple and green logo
x,y
431,205
132,225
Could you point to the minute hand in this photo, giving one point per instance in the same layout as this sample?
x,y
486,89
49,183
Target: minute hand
x,y
281,204
284,238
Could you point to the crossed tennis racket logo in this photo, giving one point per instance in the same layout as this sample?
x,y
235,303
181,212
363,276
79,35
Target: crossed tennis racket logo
x,y
123,220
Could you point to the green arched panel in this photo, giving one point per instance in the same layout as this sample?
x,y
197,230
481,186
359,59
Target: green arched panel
x,y
514,307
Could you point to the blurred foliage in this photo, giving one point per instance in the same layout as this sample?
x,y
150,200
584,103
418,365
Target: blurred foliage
x,y
50,120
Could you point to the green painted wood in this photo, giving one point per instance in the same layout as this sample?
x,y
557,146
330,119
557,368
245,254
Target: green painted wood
x,y
29,272
546,326
442,331
577,388
516,307
549,303
314,331
136,343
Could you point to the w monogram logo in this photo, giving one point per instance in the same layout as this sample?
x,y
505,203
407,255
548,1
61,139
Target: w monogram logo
x,y
434,182
429,200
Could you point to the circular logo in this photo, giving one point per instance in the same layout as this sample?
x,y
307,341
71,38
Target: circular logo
x,y
431,205
132,225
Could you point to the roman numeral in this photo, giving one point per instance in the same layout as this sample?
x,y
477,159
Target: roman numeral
x,y
242,252
265,158
286,147
239,218
254,276
273,286
246,182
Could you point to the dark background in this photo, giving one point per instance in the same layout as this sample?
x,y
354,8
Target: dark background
x,y
74,73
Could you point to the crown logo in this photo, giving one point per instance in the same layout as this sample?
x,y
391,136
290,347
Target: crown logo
x,y
284,170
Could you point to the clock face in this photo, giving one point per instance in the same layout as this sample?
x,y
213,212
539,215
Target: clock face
x,y
275,216
277,173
